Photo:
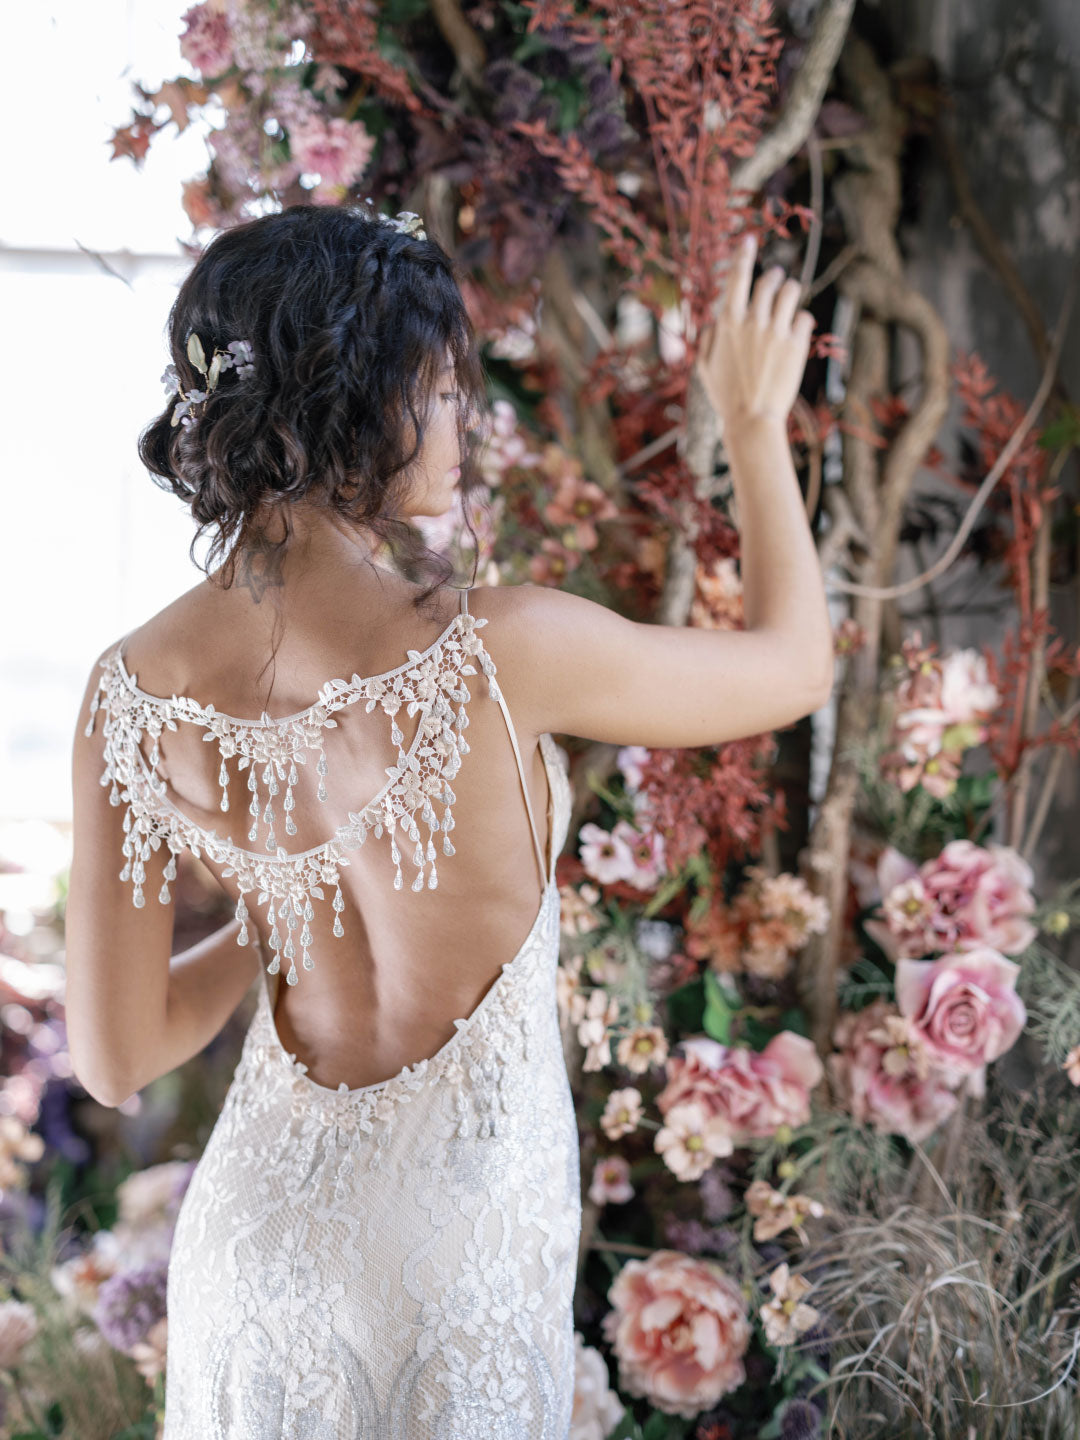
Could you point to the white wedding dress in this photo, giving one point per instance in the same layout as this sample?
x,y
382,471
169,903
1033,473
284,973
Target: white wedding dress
x,y
397,1261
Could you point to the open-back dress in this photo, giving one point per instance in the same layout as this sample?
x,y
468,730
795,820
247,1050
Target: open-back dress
x,y
396,1261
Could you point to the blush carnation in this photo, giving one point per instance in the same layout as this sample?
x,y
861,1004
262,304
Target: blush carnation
x,y
754,1092
206,43
882,1073
968,897
679,1330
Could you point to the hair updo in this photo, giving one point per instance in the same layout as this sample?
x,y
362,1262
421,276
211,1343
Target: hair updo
x,y
350,321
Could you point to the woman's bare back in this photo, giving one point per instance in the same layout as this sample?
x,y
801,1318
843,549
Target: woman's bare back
x,y
385,993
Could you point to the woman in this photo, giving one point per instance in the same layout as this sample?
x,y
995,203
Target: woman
x,y
381,1236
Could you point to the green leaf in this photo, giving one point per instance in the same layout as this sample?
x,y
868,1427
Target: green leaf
x,y
666,893
718,1010
1062,433
195,352
627,1428
686,1006
534,44
755,1032
794,1020
569,95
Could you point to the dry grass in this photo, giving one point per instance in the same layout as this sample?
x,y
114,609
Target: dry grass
x,y
954,1304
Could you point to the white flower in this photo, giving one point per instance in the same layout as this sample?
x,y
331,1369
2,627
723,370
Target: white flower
x,y
597,1408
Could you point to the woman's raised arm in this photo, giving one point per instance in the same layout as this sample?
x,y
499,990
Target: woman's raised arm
x,y
578,668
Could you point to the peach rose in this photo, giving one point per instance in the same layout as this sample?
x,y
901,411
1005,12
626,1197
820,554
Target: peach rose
x,y
963,1006
882,1073
679,1330
754,1092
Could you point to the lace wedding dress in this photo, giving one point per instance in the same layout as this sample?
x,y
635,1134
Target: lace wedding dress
x,y
396,1261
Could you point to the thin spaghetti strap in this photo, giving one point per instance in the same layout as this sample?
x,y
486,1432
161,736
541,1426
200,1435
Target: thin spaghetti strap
x,y
544,878
525,791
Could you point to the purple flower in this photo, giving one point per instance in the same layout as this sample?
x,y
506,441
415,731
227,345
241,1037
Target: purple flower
x,y
129,1303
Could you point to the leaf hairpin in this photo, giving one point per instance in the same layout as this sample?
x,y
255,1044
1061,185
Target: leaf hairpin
x,y
236,355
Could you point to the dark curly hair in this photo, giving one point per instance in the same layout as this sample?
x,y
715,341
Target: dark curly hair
x,y
350,321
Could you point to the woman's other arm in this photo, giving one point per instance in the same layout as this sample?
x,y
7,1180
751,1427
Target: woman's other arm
x,y
133,1010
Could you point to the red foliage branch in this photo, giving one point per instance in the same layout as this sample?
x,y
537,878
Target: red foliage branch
x,y
705,75
994,418
345,34
713,800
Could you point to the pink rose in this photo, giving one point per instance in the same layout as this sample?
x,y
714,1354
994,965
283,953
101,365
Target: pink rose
x,y
883,1076
679,1330
968,897
964,1006
754,1091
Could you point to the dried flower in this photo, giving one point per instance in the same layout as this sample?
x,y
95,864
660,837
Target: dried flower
x,y
786,1316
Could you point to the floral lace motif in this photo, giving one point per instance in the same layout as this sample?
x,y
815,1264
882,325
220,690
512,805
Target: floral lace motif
x,y
431,682
395,1262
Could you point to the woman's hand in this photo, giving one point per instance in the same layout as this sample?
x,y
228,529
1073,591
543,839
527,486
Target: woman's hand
x,y
752,357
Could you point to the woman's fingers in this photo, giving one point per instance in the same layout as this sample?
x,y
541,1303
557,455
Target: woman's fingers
x,y
761,301
740,274
786,304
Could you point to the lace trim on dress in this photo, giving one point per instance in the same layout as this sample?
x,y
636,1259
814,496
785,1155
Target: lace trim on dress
x,y
430,681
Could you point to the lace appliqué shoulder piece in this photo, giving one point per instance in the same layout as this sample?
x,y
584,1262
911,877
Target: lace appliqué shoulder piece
x,y
431,681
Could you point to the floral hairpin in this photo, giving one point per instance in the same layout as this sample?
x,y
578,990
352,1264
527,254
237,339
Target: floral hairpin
x,y
237,354
407,221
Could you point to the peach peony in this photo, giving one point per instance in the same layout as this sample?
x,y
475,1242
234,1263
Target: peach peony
x,y
964,1007
755,1092
679,1330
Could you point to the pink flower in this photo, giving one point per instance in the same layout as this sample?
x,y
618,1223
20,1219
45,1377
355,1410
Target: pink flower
x,y
968,897
604,854
1071,1065
18,1326
629,760
646,850
554,562
964,1007
206,44
338,150
622,1113
641,1047
679,1330
942,706
883,1076
691,1139
611,1181
578,504
755,1092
